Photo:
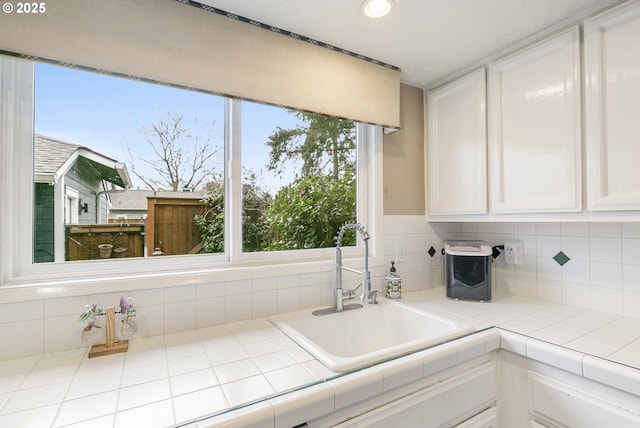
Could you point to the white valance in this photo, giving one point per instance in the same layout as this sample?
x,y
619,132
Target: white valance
x,y
169,41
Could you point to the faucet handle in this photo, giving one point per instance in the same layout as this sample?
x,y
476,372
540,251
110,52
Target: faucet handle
x,y
373,296
351,293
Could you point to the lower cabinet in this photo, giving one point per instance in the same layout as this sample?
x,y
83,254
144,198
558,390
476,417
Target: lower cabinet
x,y
486,419
466,401
536,395
554,404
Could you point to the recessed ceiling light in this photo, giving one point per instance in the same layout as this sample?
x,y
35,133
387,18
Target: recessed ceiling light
x,y
376,8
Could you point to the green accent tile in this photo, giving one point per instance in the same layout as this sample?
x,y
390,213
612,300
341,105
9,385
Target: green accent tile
x,y
432,251
561,258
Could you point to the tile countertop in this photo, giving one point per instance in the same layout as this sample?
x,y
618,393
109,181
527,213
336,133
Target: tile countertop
x,y
604,335
175,378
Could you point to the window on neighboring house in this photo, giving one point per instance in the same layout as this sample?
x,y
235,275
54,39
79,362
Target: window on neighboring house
x,y
124,142
72,206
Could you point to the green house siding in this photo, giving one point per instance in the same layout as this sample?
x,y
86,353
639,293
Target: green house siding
x,y
43,231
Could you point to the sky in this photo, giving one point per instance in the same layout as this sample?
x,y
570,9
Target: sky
x,y
108,115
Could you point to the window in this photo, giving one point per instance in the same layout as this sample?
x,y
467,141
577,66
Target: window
x,y
132,148
71,207
251,190
299,178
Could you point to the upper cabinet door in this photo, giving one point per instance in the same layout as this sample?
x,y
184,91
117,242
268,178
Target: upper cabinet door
x,y
534,128
457,147
612,109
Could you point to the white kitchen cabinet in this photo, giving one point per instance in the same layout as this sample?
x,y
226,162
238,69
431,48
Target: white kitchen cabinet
x,y
536,424
486,419
552,404
539,395
457,147
535,128
612,103
447,403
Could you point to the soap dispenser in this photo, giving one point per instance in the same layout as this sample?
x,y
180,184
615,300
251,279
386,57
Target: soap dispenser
x,y
394,283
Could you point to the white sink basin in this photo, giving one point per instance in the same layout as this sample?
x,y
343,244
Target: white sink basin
x,y
351,339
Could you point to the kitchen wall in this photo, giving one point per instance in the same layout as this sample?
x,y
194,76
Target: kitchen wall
x,y
589,265
403,158
602,266
48,325
600,270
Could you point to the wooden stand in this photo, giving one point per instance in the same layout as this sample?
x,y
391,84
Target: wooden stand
x,y
110,345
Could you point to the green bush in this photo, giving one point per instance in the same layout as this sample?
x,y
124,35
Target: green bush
x,y
309,212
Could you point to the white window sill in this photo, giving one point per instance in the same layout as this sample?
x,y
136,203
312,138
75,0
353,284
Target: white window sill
x,y
117,281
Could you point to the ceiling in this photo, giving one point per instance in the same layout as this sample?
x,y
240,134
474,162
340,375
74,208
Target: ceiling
x,y
427,39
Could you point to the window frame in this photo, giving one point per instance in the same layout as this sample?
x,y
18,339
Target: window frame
x,y
71,206
24,279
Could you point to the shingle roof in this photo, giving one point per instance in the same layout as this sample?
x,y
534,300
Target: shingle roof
x,y
50,155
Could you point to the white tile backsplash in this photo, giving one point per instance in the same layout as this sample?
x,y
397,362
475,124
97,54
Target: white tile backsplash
x,y
265,303
239,307
577,246
238,287
606,250
606,274
210,311
27,338
603,273
550,291
179,316
64,306
631,251
548,229
631,278
184,293
575,229
22,311
631,230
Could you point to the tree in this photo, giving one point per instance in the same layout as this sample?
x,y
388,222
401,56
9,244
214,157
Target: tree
x,y
325,145
256,202
211,222
309,212
182,158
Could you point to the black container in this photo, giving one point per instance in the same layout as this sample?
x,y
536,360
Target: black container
x,y
467,266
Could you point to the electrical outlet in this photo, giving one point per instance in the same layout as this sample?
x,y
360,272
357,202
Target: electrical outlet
x,y
401,253
514,252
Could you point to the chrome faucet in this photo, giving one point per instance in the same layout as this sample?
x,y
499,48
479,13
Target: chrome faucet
x,y
367,294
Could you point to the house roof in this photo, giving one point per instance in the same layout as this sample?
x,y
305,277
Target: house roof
x,y
53,158
135,199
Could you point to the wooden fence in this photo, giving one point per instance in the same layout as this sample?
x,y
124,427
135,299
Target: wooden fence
x,y
171,228
104,241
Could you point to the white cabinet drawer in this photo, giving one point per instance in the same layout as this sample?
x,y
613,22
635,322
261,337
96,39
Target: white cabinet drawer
x,y
486,419
563,405
452,401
